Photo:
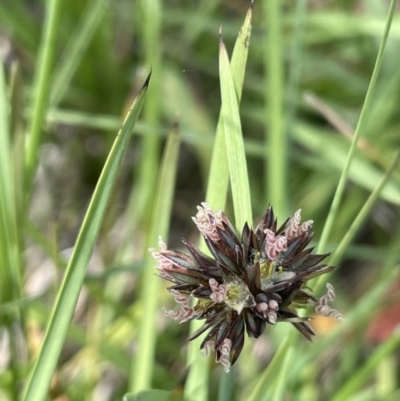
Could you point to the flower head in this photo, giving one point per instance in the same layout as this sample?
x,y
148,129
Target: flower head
x,y
250,281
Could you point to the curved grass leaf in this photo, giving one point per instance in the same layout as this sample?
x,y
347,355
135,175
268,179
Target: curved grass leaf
x,y
43,369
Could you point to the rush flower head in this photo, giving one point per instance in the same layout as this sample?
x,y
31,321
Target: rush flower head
x,y
250,281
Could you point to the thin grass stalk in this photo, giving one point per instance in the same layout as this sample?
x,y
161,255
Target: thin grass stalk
x,y
226,385
196,387
43,369
276,140
359,129
143,362
41,83
16,215
17,133
10,272
5,172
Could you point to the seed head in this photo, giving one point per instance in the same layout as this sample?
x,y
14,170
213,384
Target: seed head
x,y
250,281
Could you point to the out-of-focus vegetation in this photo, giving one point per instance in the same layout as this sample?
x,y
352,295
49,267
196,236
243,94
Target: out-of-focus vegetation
x,y
71,72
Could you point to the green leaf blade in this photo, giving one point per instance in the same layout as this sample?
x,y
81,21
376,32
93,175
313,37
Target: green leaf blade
x,y
234,143
43,369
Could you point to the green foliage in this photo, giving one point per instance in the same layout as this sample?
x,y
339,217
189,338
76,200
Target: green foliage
x,y
75,272
309,119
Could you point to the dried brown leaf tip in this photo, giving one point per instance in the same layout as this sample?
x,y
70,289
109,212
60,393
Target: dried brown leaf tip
x,y
250,281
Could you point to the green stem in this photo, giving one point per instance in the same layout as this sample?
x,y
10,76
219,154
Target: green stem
x,y
41,83
226,384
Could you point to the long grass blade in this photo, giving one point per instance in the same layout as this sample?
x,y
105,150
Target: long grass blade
x,y
234,143
218,180
10,268
43,369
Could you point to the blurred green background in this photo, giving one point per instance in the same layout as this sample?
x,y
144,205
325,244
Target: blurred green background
x,y
102,52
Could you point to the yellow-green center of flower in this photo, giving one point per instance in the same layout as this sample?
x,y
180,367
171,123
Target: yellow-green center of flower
x,y
272,273
238,295
202,304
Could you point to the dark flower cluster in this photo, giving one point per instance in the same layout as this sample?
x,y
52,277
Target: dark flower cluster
x,y
249,282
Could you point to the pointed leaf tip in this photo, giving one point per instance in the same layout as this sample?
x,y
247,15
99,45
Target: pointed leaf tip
x,y
146,83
